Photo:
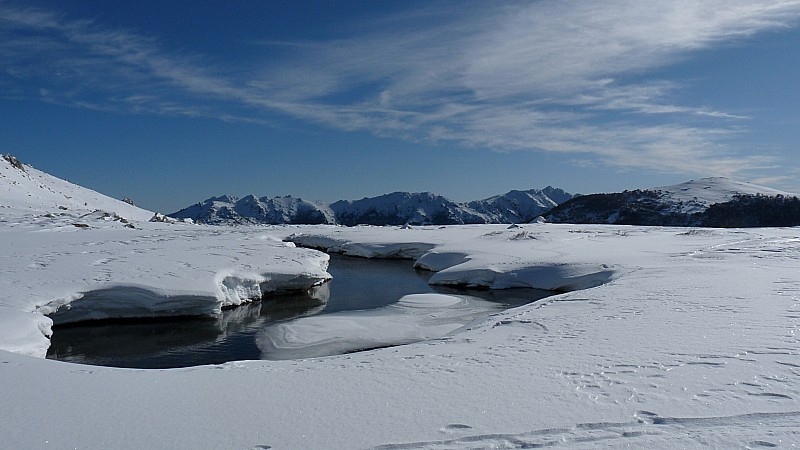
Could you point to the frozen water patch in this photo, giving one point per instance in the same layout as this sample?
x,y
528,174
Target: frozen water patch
x,y
413,318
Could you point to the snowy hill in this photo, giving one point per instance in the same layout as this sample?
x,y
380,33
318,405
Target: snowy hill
x,y
697,195
25,190
397,208
253,210
694,203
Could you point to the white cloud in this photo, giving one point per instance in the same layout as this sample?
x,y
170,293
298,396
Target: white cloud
x,y
541,76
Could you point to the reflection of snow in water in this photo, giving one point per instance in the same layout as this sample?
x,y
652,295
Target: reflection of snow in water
x,y
414,318
166,343
359,284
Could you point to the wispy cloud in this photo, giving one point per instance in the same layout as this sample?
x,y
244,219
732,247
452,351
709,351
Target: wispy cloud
x,y
539,76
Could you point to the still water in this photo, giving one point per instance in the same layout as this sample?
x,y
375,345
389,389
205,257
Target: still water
x,y
358,284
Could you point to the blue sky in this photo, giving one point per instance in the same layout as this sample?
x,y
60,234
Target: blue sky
x,y
171,102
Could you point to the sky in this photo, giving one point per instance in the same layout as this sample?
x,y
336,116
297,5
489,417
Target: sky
x,y
172,102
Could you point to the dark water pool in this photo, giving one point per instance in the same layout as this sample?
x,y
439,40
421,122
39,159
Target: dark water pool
x,y
357,284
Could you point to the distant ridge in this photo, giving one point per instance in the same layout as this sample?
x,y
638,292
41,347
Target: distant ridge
x,y
707,202
397,208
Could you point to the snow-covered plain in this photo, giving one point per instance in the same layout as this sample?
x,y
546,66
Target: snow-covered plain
x,y
668,337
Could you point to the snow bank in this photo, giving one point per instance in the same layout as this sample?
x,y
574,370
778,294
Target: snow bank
x,y
550,277
121,302
400,250
111,271
503,258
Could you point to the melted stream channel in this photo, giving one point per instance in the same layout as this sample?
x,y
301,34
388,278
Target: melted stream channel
x,y
358,284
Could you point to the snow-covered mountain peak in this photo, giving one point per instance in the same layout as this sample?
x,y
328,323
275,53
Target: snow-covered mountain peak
x,y
254,210
224,199
557,195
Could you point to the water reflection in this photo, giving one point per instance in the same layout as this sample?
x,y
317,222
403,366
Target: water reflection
x,y
180,342
358,284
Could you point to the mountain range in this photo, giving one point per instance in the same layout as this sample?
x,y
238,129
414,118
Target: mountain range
x,y
398,208
707,202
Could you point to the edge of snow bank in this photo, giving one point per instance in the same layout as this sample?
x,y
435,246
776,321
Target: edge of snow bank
x,y
471,269
550,277
125,301
402,250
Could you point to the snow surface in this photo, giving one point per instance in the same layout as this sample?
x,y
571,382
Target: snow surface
x,y
680,338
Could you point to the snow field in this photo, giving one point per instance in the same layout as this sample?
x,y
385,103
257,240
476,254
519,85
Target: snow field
x,y
694,342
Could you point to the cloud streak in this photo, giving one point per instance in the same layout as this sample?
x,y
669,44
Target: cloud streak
x,y
528,76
